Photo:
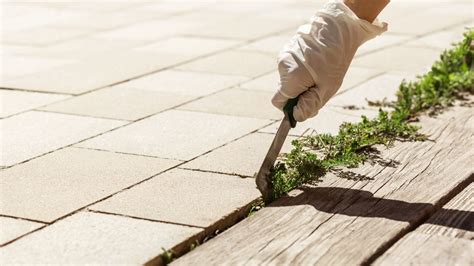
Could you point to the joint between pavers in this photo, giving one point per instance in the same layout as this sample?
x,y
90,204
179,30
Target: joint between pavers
x,y
35,91
65,113
145,219
128,153
23,219
412,38
215,172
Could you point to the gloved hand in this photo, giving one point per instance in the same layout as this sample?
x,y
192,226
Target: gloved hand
x,y
313,64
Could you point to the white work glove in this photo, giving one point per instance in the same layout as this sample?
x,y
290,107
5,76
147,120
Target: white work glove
x,y
313,64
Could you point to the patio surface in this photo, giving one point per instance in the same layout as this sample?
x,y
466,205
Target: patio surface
x,y
132,127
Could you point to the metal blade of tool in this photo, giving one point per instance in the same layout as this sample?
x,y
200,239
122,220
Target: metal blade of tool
x,y
262,179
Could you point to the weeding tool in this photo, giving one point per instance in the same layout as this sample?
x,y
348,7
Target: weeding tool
x,y
264,183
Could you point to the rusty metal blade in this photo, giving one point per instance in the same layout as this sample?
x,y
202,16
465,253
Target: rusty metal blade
x,y
262,178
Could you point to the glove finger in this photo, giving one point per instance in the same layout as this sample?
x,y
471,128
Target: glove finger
x,y
279,100
294,78
308,105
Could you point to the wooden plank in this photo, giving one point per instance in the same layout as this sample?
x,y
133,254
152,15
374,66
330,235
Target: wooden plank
x,y
449,232
343,221
425,249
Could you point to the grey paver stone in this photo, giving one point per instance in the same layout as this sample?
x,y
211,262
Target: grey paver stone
x,y
13,228
152,30
251,27
170,7
19,17
188,45
34,133
14,66
104,21
327,120
237,102
382,42
13,102
377,89
118,103
176,134
85,49
403,58
357,75
242,63
242,157
268,82
184,82
95,72
92,238
61,182
419,23
184,196
42,36
441,39
271,45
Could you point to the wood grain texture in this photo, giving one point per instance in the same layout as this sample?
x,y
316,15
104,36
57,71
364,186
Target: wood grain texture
x,y
447,236
347,222
425,249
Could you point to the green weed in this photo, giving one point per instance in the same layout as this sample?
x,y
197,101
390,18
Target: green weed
x,y
450,78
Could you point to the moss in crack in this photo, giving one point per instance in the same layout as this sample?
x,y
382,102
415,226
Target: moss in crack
x,y
256,206
167,256
450,78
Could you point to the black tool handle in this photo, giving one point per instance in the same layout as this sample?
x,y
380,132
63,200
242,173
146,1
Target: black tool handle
x,y
288,110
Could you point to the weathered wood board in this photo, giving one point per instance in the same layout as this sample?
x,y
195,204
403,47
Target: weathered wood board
x,y
447,238
348,222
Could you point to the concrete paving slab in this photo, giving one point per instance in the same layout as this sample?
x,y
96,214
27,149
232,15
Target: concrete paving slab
x,y
171,8
13,228
248,64
188,45
412,21
43,36
379,88
118,103
14,66
184,82
54,185
21,17
13,102
18,50
94,73
271,45
34,133
440,40
184,196
237,102
173,134
382,41
105,21
327,121
357,75
92,238
103,7
268,82
242,157
403,58
150,31
85,49
252,27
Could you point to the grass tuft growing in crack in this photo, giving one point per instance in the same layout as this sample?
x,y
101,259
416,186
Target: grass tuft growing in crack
x,y
450,78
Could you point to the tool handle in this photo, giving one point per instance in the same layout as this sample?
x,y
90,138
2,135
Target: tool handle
x,y
288,110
